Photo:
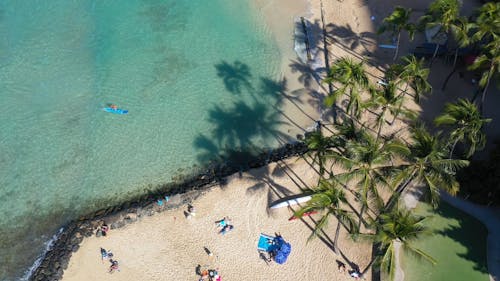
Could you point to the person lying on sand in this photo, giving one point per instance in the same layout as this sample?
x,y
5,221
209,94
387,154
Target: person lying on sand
x,y
226,229
223,222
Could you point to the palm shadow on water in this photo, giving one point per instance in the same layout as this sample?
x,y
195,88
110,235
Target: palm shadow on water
x,y
237,126
241,129
236,76
232,139
469,233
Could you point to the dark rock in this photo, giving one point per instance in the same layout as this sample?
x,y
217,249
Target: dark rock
x,y
131,217
99,213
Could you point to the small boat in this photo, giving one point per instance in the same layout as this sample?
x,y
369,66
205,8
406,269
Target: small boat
x,y
291,202
115,110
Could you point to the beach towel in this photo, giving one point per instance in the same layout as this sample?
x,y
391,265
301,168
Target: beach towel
x,y
266,243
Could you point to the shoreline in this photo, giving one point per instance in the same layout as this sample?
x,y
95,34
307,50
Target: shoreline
x,y
170,244
65,237
56,259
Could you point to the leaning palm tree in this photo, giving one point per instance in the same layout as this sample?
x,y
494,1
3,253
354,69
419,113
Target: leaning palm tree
x,y
489,63
331,200
395,23
466,122
415,75
395,230
487,31
352,78
461,32
444,14
367,163
389,102
427,163
487,25
319,145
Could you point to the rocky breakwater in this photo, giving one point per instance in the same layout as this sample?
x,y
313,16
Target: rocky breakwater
x,y
56,259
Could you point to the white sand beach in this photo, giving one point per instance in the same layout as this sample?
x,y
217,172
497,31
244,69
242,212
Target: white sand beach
x,y
168,246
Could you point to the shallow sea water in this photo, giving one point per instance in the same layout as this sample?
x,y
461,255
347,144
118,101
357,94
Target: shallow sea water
x,y
198,77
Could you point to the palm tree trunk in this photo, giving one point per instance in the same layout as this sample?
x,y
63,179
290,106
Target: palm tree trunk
x,y
434,55
381,123
400,105
363,207
398,275
397,193
452,71
379,130
337,234
453,147
397,47
485,89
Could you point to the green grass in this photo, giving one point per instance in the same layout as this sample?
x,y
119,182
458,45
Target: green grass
x,y
458,245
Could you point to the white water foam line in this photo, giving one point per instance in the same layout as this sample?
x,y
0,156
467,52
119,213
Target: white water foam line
x,y
38,261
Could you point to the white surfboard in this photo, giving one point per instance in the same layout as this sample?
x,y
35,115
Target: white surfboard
x,y
291,202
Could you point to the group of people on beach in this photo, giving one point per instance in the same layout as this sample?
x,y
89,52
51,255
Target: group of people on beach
x,y
223,225
102,230
109,256
354,273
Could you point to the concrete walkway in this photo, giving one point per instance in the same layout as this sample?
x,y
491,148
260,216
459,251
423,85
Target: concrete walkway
x,y
491,219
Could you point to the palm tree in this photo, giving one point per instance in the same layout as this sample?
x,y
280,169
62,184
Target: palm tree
x,y
487,25
329,199
397,229
319,145
413,73
353,79
467,124
396,23
388,101
367,164
487,31
427,163
461,34
443,13
489,61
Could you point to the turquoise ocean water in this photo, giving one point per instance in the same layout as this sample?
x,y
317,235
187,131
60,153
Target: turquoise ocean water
x,y
198,78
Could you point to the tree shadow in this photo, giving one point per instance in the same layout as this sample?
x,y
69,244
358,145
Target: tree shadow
x,y
311,37
241,131
275,91
307,73
236,76
237,129
469,233
349,40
